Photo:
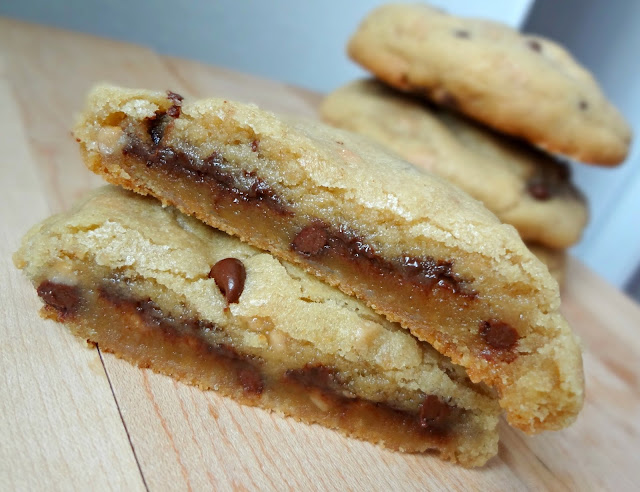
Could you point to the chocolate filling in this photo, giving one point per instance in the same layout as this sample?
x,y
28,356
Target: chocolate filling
x,y
434,413
316,375
63,298
213,170
317,239
229,275
245,367
434,416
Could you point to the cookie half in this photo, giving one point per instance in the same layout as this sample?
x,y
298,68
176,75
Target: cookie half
x,y
522,85
164,291
524,187
554,259
412,246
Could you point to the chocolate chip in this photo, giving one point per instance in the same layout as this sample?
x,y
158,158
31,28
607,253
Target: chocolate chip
x,y
434,413
64,298
311,240
174,111
254,145
176,99
229,275
498,334
538,190
250,379
583,105
443,97
461,33
156,127
534,45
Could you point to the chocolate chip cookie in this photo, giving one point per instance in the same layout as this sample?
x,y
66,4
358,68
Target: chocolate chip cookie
x,y
412,246
522,85
554,259
165,291
524,187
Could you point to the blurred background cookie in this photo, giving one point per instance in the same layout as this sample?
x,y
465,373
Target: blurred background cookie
x,y
525,86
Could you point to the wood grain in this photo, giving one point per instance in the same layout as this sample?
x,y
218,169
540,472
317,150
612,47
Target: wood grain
x,y
81,419
56,404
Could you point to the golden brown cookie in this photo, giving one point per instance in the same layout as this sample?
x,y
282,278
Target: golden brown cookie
x,y
524,187
164,291
522,85
412,246
554,259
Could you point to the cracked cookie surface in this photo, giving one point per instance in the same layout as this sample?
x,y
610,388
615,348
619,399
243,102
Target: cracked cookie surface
x,y
151,285
522,85
412,246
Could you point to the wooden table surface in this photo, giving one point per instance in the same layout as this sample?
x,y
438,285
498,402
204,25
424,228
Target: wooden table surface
x,y
74,418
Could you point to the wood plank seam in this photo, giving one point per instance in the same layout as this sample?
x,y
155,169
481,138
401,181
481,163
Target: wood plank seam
x,y
124,424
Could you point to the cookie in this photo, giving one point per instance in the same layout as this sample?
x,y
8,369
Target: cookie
x,y
524,187
412,246
522,85
554,259
164,291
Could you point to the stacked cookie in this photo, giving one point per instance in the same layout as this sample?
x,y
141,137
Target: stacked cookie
x,y
476,102
358,292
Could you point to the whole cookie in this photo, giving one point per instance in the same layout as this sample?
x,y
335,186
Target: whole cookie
x,y
523,186
522,85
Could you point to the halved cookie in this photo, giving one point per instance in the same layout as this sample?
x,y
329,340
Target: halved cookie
x,y
522,85
165,291
554,259
415,248
523,186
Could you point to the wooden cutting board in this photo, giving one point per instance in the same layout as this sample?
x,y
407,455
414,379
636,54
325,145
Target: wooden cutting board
x,y
74,418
